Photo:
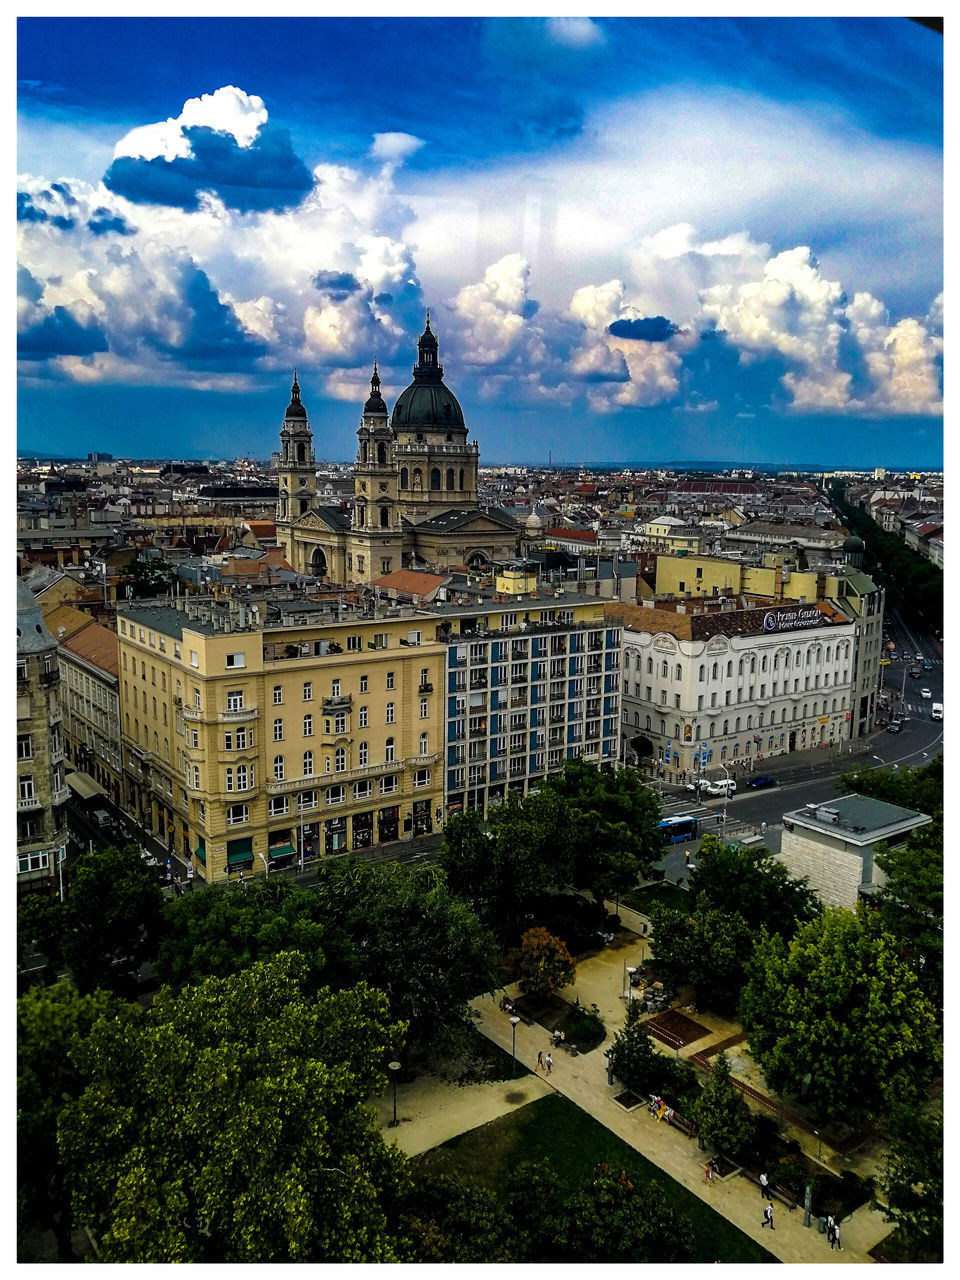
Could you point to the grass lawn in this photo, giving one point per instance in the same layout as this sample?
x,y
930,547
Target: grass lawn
x,y
667,895
554,1128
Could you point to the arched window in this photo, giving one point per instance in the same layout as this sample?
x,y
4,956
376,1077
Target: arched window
x,y
713,730
384,517
726,727
308,761
363,754
424,744
300,453
664,669
381,454
636,719
749,722
763,663
804,711
794,713
388,751
703,672
834,705
679,671
783,714
759,720
649,666
729,668
740,667
435,478
278,768
714,671
241,777
696,735
449,477
363,450
278,730
361,515
339,760
736,725
649,722
626,660
461,478
404,478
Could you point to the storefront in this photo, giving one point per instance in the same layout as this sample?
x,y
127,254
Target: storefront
x,y
334,835
363,830
240,854
388,824
281,848
422,818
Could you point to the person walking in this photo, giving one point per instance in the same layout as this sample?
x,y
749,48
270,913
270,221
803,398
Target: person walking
x,y
767,1220
765,1187
836,1237
549,1063
686,854
539,1060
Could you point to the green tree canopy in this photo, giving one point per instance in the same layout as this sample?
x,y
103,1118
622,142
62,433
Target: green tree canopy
x,y
749,882
839,1005
708,948
911,904
545,964
920,788
229,1123
910,1184
445,1219
51,1021
612,1220
113,919
724,1119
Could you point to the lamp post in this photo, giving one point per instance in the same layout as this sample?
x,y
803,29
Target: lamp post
x,y
513,1022
816,1134
265,863
394,1068
628,984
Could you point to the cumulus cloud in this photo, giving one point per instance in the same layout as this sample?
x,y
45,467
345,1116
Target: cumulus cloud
x,y
492,314
228,110
577,33
394,148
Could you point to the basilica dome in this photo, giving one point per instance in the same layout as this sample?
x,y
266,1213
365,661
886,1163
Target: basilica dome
x,y
427,404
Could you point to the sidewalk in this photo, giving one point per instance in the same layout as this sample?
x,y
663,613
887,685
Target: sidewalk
x,y
430,1112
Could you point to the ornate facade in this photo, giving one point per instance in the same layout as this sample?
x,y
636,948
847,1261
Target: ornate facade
x,y
415,500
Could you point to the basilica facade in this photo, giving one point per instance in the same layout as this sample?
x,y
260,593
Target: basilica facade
x,y
415,500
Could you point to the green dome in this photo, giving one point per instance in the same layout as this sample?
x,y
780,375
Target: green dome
x,y
427,403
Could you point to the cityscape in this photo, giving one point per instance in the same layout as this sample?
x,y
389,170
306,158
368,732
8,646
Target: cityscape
x,y
480,668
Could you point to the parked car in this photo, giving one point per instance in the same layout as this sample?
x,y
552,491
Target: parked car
x,y
721,787
925,693
919,657
915,673
936,711
894,726
759,780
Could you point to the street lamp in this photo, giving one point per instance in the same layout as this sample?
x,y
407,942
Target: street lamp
x,y
513,1022
628,973
265,863
816,1134
394,1068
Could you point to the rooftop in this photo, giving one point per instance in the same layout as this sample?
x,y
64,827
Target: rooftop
x,y
857,820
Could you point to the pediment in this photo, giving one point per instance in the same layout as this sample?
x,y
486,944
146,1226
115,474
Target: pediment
x,y
310,521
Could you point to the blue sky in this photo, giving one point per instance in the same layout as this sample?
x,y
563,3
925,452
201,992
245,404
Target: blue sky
x,y
640,239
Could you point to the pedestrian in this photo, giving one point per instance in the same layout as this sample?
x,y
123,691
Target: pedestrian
x,y
768,1217
241,876
765,1187
540,1062
686,854
708,1172
831,1225
763,828
836,1238
718,818
549,1063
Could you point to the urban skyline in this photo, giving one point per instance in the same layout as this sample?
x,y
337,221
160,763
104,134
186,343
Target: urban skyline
x,y
609,255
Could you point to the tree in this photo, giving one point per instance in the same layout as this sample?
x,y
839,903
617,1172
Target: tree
x,y
612,1220
910,1184
708,948
545,964
444,1219
911,904
50,1022
838,1004
40,923
633,1058
724,1119
749,882
920,788
535,1203
611,825
229,1122
113,921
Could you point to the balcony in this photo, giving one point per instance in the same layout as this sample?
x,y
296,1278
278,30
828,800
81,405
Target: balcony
x,y
28,802
426,687
57,754
241,713
192,713
520,677
519,700
49,678
61,795
385,767
340,702
479,681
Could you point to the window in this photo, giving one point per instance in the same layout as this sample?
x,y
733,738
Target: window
x,y
278,805
335,689
308,763
234,699
307,800
24,746
308,691
424,709
196,777
308,726
278,730
363,790
194,659
235,660
354,644
363,755
277,694
390,713
389,679
228,741
363,718
278,768
240,737
340,722
201,811
388,785
26,787
242,784
339,760
336,795
421,778
424,744
364,683
237,813
388,751
229,779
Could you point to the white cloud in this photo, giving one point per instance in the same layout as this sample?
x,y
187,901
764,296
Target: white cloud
x,y
228,110
577,33
491,314
395,147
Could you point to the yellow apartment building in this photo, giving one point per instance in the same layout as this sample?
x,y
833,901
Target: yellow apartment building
x,y
257,735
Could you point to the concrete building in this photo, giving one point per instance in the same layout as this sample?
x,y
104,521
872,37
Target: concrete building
x,y
41,789
711,684
90,694
415,502
833,844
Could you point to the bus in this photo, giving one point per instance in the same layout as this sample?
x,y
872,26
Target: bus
x,y
675,829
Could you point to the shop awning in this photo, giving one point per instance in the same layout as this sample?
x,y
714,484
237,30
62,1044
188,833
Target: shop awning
x,y
282,851
239,851
202,855
84,785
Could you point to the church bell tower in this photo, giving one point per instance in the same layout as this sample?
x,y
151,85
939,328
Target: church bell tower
x,y
298,469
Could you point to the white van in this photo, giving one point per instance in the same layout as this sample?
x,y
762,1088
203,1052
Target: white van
x,y
936,711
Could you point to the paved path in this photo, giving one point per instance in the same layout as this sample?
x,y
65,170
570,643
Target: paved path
x,y
430,1113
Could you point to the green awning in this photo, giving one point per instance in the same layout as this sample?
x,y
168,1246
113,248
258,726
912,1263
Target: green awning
x,y
201,854
239,851
282,851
